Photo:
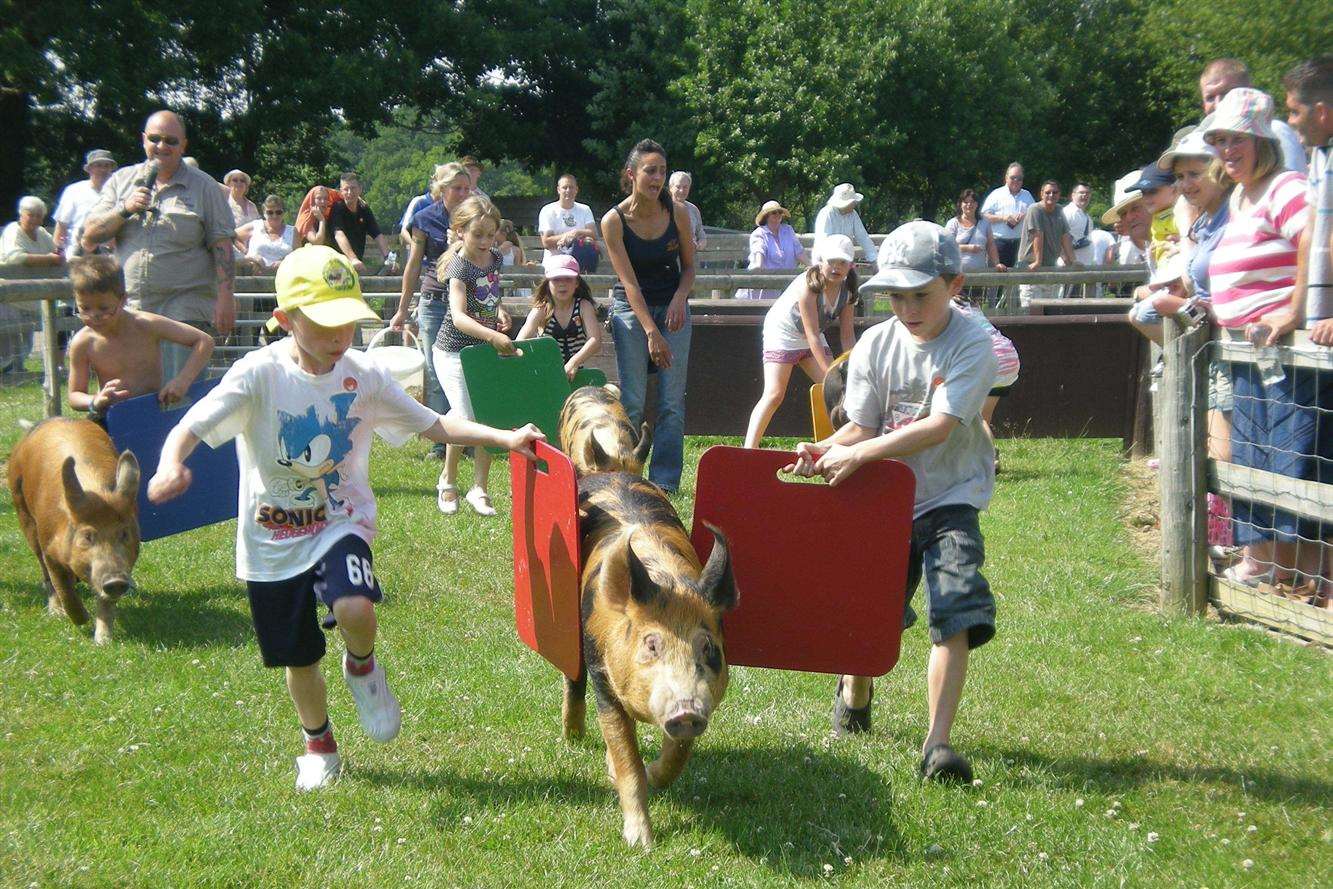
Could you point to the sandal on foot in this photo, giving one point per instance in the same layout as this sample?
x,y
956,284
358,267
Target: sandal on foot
x,y
850,720
480,502
944,764
1270,576
448,505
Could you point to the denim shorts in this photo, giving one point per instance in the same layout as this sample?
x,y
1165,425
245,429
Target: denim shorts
x,y
1145,312
948,551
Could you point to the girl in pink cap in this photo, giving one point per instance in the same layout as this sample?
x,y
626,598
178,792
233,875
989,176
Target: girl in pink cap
x,y
562,308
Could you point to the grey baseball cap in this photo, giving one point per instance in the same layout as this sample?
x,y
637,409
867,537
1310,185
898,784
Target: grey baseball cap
x,y
913,255
98,156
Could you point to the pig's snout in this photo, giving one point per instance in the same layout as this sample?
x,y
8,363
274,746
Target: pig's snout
x,y
116,586
688,721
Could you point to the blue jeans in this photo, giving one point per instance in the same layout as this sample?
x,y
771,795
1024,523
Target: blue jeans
x,y
430,315
632,362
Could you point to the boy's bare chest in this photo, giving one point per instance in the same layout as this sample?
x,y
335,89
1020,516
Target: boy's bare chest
x,y
132,358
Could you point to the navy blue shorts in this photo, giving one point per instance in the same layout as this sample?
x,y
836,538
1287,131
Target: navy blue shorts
x,y
947,549
284,611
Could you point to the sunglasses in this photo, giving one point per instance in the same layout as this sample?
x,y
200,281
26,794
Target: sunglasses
x,y
272,212
166,140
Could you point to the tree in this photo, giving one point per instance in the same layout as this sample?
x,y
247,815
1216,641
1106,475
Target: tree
x,y
248,76
1180,37
892,101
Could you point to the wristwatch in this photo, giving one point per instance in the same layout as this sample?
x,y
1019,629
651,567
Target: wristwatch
x,y
124,214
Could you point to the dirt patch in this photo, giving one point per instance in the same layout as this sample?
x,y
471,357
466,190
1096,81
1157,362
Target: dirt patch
x,y
1141,511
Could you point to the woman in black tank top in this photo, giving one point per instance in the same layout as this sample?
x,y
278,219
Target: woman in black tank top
x,y
650,319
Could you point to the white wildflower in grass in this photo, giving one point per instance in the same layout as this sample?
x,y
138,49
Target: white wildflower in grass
x,y
1253,828
1078,803
1152,836
976,782
695,853
847,860
828,868
1042,856
1247,863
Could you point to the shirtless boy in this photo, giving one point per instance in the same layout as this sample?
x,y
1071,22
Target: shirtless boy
x,y
119,345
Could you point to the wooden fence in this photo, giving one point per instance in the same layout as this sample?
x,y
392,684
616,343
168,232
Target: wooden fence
x,y
1190,580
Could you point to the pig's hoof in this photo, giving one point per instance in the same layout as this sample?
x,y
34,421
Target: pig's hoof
x,y
659,776
101,636
639,833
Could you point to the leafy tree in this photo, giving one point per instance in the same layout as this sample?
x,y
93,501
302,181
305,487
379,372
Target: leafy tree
x,y
788,105
1180,37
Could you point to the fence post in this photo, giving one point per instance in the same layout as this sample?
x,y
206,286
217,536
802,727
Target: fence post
x,y
1182,450
52,382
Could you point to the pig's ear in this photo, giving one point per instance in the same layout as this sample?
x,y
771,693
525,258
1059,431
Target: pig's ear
x,y
74,494
127,475
717,582
641,586
594,453
644,443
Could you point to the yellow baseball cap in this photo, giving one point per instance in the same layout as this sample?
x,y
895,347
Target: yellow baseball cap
x,y
322,283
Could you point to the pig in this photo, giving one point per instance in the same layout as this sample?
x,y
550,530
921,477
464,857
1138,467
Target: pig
x,y
652,635
596,434
835,386
77,503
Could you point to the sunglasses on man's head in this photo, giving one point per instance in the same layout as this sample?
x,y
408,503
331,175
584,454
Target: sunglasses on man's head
x,y
167,140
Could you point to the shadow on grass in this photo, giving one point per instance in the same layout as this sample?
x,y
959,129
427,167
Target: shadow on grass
x,y
176,619
1123,774
794,807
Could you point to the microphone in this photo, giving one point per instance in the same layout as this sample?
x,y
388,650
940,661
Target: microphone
x,y
146,180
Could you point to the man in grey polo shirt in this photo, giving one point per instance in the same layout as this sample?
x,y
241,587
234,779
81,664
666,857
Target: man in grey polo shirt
x,y
173,237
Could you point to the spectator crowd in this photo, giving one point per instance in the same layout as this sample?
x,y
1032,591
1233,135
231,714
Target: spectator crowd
x,y
1230,215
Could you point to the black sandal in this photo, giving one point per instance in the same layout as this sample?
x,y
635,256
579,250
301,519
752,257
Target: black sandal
x,y
944,764
850,720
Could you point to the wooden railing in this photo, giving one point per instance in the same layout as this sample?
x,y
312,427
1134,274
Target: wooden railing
x,y
1188,474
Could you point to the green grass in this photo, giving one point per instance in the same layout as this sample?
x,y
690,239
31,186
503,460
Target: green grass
x,y
165,759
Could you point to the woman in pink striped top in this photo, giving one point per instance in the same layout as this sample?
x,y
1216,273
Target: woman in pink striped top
x,y
1252,273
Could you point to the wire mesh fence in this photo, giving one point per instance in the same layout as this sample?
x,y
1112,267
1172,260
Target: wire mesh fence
x,y
1247,462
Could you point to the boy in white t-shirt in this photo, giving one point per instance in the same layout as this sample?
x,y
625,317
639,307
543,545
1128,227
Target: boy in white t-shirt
x,y
302,411
915,388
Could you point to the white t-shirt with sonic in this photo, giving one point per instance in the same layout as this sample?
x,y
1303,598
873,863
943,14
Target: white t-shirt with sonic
x,y
893,381
303,444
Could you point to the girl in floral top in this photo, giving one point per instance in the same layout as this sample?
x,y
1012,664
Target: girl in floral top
x,y
470,268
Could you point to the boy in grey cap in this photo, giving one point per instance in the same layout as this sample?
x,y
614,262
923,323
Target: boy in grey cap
x,y
915,387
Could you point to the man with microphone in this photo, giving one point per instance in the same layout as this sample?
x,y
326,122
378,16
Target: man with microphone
x,y
173,232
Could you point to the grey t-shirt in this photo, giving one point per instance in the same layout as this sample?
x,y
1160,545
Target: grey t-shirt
x,y
892,380
165,252
1053,228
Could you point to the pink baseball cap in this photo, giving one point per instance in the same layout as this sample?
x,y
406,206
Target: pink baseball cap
x,y
560,265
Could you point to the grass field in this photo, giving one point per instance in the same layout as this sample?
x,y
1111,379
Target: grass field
x,y
1114,747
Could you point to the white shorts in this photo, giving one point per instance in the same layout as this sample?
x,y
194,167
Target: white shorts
x,y
449,371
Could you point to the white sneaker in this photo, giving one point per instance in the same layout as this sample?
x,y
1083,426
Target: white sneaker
x,y
448,505
378,710
480,501
316,770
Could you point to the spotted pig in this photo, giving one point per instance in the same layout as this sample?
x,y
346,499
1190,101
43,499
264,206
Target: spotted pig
x,y
652,635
